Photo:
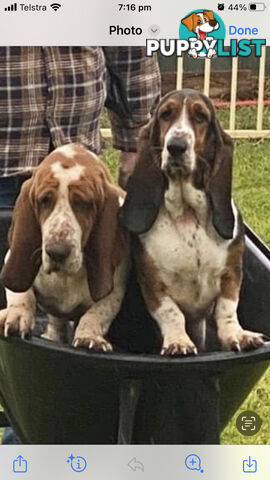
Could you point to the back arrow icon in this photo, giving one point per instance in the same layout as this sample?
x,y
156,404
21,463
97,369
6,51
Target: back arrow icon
x,y
135,465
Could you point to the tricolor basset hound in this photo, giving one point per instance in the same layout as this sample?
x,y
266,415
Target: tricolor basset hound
x,y
189,236
68,254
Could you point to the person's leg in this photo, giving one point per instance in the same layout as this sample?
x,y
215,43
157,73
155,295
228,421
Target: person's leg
x,y
9,189
8,193
127,162
10,437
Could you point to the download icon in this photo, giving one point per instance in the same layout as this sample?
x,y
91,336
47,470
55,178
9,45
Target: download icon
x,y
250,465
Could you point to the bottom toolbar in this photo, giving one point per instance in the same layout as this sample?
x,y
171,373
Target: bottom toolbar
x,y
123,462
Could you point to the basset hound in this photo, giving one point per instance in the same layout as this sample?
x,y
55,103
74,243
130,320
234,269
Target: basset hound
x,y
188,235
68,253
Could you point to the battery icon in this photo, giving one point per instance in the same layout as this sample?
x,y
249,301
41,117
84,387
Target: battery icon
x,y
257,7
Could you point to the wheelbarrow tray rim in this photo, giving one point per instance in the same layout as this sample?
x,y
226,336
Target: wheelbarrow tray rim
x,y
125,363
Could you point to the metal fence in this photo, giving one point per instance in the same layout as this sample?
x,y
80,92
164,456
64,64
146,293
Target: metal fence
x,y
259,132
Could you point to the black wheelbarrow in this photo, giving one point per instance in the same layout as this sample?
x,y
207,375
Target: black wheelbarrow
x,y
58,395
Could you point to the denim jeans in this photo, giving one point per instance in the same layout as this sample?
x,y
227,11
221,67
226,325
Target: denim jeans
x,y
9,189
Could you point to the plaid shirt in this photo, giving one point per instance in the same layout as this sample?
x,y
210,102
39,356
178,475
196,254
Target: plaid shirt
x,y
50,96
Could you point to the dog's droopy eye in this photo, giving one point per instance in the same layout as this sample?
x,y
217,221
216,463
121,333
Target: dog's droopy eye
x,y
79,203
45,201
199,22
200,116
166,113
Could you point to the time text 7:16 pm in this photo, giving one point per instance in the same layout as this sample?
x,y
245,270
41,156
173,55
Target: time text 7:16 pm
x,y
132,7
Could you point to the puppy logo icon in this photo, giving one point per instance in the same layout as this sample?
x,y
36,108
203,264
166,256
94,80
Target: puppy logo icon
x,y
202,28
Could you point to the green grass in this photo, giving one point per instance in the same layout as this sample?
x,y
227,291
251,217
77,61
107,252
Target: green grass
x,y
251,184
1,429
110,157
251,192
246,117
257,401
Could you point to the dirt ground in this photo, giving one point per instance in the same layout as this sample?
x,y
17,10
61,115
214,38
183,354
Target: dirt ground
x,y
220,86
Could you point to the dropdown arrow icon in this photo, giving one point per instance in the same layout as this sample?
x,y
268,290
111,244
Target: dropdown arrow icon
x,y
154,30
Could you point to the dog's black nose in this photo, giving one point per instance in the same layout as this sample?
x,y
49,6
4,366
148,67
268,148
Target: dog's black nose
x,y
212,23
177,146
58,251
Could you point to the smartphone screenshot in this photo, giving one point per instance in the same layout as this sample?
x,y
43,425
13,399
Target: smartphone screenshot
x,y
134,240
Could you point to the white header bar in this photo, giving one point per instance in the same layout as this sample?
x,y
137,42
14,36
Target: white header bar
x,y
110,22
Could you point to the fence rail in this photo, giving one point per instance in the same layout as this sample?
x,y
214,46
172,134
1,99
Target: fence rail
x,y
259,132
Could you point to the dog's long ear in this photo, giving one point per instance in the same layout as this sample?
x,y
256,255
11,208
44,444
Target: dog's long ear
x,y
24,258
220,185
189,21
145,189
105,247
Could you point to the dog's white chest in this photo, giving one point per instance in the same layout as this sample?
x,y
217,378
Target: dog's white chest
x,y
189,262
63,292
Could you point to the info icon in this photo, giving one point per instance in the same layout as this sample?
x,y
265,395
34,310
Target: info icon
x,y
248,423
77,464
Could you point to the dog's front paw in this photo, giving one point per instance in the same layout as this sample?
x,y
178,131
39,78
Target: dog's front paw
x,y
93,342
18,320
193,53
241,340
211,53
180,346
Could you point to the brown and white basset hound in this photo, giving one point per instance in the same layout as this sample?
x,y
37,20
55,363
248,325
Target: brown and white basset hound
x,y
189,236
68,253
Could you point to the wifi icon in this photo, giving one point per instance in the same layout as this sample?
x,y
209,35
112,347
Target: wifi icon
x,y
55,6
